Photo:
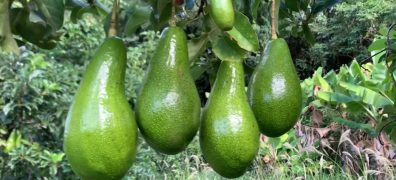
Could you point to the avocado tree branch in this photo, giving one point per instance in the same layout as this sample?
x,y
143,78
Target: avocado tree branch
x,y
388,43
201,8
172,21
114,19
273,20
382,129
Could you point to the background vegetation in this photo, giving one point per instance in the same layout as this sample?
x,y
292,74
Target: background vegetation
x,y
336,138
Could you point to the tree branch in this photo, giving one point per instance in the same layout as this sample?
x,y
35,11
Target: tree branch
x,y
273,20
114,19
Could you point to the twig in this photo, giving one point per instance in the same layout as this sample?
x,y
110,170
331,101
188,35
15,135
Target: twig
x,y
382,129
114,19
388,52
273,20
172,21
368,58
201,8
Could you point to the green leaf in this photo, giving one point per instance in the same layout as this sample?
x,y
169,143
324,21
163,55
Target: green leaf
x,y
53,11
355,125
334,97
161,14
304,4
356,71
196,47
78,13
227,50
377,58
97,8
368,96
293,5
139,16
197,70
254,7
378,44
308,34
384,31
13,141
244,34
37,32
320,81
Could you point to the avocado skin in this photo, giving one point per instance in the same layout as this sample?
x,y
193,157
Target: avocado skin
x,y
168,107
222,13
274,90
229,134
101,133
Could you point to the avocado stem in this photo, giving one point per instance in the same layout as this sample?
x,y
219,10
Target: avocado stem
x,y
274,20
172,21
114,18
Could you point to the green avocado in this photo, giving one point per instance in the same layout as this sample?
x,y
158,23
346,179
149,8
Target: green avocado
x,y
229,134
168,107
222,13
274,90
101,133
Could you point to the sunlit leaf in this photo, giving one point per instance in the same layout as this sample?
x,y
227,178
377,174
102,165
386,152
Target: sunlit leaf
x,y
368,96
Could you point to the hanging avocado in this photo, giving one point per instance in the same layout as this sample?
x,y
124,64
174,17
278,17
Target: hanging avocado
x,y
168,106
229,135
100,133
222,13
274,90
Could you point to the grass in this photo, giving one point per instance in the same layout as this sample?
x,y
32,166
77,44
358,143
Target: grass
x,y
281,158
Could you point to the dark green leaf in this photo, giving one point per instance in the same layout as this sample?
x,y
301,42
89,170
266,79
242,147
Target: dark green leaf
x,y
293,5
139,16
254,6
53,11
196,47
227,50
244,34
355,125
197,70
308,34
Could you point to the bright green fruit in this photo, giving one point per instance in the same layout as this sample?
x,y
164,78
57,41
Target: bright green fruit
x,y
229,134
222,12
274,91
168,107
101,132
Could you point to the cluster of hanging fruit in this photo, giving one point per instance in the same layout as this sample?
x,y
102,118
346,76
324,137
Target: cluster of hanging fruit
x,y
101,130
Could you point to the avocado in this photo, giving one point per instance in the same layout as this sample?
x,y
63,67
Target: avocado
x,y
274,90
229,134
168,106
222,13
101,133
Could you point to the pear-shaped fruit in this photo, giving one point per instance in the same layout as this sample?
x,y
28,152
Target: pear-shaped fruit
x,y
168,106
229,134
222,13
101,133
274,90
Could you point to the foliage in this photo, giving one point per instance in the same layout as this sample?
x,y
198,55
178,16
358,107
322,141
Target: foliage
x,y
342,34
